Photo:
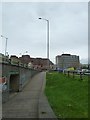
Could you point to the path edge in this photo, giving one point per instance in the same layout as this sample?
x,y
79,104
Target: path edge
x,y
44,108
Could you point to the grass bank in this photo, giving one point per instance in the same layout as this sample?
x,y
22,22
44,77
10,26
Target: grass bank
x,y
68,97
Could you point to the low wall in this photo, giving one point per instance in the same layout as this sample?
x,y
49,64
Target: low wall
x,y
10,72
25,76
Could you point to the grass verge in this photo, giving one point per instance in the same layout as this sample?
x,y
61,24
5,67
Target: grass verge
x,y
67,96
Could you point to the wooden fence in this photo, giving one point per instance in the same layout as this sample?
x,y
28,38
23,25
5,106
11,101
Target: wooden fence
x,y
74,73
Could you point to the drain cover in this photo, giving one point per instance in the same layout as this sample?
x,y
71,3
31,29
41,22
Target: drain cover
x,y
43,112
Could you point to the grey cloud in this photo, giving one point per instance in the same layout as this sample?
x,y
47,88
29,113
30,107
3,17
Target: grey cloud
x,y
68,27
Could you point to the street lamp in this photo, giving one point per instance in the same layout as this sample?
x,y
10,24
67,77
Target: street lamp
x,y
5,44
47,37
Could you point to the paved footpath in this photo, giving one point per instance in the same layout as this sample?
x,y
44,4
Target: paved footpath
x,y
30,102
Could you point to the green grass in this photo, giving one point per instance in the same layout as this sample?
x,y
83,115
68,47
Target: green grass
x,y
67,96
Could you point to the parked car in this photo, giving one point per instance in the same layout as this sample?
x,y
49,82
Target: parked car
x,y
79,71
87,72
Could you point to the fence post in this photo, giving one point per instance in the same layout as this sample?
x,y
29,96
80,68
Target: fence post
x,y
64,72
81,75
68,73
73,74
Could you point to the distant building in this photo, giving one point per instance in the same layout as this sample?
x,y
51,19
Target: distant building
x,y
25,59
14,59
66,61
36,63
3,58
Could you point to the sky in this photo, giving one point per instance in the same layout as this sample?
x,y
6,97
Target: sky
x,y
68,28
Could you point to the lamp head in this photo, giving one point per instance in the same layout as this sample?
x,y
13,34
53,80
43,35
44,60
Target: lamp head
x,y
39,18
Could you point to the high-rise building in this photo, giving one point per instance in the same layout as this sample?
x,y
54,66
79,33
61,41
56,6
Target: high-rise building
x,y
66,61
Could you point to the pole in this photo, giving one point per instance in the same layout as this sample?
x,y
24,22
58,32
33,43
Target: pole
x,y
48,42
6,47
5,44
48,39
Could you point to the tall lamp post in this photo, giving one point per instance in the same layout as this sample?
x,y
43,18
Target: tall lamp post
x,y
5,44
47,38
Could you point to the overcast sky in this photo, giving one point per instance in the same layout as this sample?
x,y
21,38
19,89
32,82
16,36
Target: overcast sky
x,y
25,32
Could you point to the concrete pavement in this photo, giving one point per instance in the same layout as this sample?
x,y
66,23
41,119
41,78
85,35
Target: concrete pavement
x,y
29,103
